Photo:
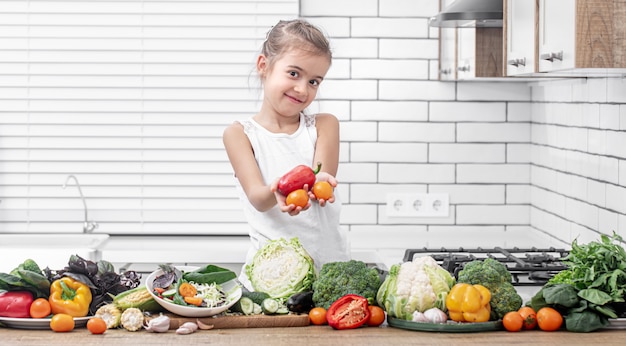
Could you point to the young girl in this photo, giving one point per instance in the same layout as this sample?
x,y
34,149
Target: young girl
x,y
293,62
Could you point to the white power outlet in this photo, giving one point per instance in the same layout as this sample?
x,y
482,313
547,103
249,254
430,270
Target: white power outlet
x,y
418,205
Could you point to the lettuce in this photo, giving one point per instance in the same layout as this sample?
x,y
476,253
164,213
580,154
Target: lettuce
x,y
414,286
281,268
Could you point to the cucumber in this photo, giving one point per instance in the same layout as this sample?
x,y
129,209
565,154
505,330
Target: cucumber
x,y
282,310
169,293
270,306
257,297
244,305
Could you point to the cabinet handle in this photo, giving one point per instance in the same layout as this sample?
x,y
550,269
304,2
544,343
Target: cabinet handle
x,y
517,62
552,56
446,71
465,68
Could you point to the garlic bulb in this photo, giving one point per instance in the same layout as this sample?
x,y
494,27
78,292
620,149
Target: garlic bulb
x,y
419,316
435,315
160,324
187,328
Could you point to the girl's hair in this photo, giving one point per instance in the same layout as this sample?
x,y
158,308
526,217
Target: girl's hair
x,y
296,33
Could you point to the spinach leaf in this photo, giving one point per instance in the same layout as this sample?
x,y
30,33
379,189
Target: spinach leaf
x,y
584,321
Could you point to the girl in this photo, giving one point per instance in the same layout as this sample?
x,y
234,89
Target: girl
x,y
293,62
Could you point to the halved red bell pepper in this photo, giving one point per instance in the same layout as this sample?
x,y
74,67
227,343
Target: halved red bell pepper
x,y
348,312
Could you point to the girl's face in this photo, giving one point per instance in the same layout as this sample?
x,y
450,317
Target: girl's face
x,y
290,85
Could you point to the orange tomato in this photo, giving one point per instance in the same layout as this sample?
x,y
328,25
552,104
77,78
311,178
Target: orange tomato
x,y
96,325
530,317
317,316
62,323
322,190
299,198
377,316
197,301
549,319
40,308
187,290
513,321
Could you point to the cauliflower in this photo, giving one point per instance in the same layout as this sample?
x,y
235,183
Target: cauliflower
x,y
414,286
336,279
497,278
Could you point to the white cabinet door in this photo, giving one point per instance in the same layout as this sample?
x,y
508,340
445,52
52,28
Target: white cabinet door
x,y
466,53
520,34
447,54
557,35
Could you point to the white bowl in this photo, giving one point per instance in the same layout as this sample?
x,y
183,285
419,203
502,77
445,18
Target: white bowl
x,y
232,289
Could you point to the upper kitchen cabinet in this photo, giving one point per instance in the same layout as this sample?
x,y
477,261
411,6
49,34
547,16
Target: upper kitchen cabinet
x,y
521,37
583,37
470,39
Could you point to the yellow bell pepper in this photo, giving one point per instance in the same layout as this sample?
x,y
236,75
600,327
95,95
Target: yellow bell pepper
x,y
69,296
469,303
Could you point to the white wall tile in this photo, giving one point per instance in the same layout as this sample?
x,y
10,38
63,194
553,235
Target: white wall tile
x,y
493,132
518,153
377,193
336,8
616,198
476,91
358,214
390,27
466,153
616,143
416,132
404,8
416,173
389,69
493,214
390,110
518,194
468,111
357,173
351,131
392,220
416,90
391,48
335,89
496,173
340,69
355,48
609,116
519,111
388,152
471,194
334,27
616,90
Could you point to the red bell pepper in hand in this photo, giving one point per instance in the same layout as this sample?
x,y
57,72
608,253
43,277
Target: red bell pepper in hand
x,y
296,179
348,312
15,304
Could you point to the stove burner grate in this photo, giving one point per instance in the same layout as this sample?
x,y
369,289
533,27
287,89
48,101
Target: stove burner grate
x,y
528,266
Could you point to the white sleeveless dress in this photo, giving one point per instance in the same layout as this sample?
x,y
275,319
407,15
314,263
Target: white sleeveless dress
x,y
317,228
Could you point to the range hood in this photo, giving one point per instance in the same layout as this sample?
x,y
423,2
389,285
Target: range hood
x,y
469,13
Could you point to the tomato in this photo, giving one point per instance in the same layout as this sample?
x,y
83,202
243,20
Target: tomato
x,y
299,198
96,325
40,308
187,290
549,319
513,321
62,323
317,316
197,301
529,316
322,190
377,316
348,312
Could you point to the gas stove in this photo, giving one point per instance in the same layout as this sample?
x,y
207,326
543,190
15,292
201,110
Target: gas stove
x,y
530,268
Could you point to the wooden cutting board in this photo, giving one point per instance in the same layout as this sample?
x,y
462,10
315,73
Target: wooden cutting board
x,y
242,321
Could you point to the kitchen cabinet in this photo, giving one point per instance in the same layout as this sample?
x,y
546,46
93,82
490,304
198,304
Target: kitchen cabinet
x,y
468,53
521,37
447,53
582,37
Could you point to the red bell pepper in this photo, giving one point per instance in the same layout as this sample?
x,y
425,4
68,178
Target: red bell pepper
x,y
15,304
348,312
296,179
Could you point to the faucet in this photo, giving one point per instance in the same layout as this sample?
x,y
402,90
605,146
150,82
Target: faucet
x,y
88,226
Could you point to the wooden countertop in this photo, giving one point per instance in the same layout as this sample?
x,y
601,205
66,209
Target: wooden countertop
x,y
310,335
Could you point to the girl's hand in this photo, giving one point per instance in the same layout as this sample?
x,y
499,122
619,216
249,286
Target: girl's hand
x,y
281,201
323,176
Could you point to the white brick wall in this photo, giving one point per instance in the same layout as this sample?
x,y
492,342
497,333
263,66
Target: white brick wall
x,y
524,164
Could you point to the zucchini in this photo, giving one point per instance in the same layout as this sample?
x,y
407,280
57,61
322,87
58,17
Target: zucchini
x,y
270,306
244,305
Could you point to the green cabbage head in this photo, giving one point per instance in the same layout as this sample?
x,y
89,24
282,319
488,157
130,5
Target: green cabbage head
x,y
281,268
414,286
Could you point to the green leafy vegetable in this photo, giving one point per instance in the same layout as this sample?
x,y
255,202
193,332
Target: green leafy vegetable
x,y
281,268
210,274
337,279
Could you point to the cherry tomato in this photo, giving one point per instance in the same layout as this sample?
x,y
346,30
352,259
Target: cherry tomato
x,y
530,317
322,190
40,308
513,321
299,198
62,323
549,319
317,316
377,316
96,325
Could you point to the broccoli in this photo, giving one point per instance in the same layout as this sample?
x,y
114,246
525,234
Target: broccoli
x,y
336,279
496,277
28,264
